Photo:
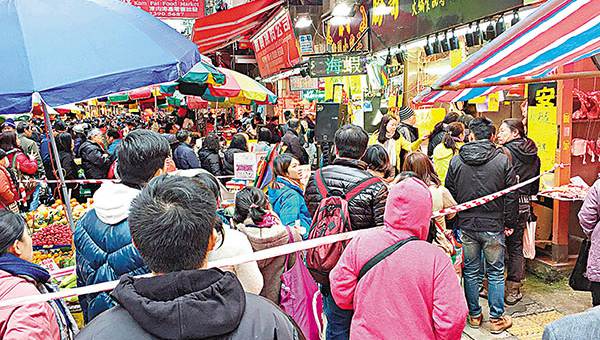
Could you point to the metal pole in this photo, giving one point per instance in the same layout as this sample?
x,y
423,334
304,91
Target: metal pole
x,y
66,196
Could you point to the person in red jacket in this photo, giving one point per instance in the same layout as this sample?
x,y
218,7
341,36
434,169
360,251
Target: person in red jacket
x,y
9,192
23,164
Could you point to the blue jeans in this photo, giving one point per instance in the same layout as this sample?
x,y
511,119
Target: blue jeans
x,y
338,320
492,246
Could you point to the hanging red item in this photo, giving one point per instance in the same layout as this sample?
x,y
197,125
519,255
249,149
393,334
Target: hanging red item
x,y
226,27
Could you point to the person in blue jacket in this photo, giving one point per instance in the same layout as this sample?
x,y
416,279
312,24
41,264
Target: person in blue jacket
x,y
184,156
287,194
104,250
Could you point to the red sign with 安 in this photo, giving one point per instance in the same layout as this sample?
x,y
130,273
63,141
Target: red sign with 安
x,y
172,8
275,45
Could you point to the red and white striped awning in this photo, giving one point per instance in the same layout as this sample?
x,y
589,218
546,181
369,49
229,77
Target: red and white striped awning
x,y
223,28
559,32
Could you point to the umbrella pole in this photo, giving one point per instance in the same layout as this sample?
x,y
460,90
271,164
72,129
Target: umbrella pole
x,y
66,196
216,115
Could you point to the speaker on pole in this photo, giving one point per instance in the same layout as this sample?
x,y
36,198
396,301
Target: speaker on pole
x,y
327,121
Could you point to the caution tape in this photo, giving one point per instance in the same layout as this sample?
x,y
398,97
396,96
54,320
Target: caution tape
x,y
262,254
90,181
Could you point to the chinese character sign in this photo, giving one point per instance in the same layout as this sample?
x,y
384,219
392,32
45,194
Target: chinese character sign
x,y
337,65
541,121
275,45
171,8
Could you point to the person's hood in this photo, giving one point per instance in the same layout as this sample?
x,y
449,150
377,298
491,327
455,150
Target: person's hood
x,y
442,152
524,149
478,152
408,208
191,304
112,202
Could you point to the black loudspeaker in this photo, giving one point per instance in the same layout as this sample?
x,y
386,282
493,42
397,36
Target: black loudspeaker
x,y
328,115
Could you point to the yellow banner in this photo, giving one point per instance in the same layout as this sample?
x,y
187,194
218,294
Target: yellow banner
x,y
542,128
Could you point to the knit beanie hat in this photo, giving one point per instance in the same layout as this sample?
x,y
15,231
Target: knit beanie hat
x,y
405,113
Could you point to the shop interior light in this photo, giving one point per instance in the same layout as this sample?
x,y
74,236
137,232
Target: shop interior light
x,y
382,10
303,21
490,32
515,18
454,45
437,48
342,9
500,27
444,43
428,48
339,21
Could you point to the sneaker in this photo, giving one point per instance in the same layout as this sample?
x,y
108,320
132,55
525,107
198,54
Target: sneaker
x,y
500,325
475,321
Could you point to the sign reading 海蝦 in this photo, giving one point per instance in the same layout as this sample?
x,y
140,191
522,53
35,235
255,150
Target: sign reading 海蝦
x,y
412,19
336,65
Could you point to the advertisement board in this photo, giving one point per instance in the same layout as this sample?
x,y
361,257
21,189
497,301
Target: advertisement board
x,y
275,45
335,65
170,8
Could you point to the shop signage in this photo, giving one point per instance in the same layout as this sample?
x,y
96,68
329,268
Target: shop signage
x,y
336,65
171,8
411,19
306,43
298,83
275,45
541,121
244,165
341,38
313,95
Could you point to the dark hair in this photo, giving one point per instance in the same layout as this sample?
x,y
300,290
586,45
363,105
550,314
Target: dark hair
x,y
22,126
59,126
287,114
64,142
515,124
264,135
239,142
450,117
2,154
12,228
482,128
212,184
171,222
381,138
351,141
113,133
294,124
211,142
420,164
182,136
450,138
140,155
377,159
250,202
281,164
8,140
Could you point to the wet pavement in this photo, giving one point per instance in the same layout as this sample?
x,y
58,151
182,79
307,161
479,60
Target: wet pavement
x,y
542,303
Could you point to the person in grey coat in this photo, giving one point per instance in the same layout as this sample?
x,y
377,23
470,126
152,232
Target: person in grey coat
x,y
589,219
575,327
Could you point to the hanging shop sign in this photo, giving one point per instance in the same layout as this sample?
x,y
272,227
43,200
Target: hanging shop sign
x,y
275,45
340,38
171,8
336,65
298,83
411,19
541,121
313,95
306,43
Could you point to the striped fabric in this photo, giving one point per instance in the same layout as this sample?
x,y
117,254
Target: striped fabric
x,y
557,33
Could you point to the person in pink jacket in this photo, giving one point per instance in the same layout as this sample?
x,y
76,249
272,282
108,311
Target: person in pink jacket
x,y
20,278
413,293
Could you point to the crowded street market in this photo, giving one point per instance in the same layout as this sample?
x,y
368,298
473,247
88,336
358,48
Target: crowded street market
x,y
301,169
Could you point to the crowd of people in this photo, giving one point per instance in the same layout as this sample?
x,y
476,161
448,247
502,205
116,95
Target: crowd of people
x,y
400,278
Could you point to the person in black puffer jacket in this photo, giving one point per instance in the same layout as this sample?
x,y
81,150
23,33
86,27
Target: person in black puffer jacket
x,y
239,143
366,209
523,154
95,161
292,142
210,160
480,169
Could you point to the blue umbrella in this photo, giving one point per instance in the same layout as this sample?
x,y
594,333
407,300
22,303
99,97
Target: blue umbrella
x,y
73,50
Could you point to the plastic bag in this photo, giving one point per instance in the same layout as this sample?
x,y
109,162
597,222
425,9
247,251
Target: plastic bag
x,y
529,240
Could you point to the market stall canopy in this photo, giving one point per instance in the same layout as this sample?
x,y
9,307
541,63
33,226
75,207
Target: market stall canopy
x,y
195,81
240,89
132,49
226,27
559,32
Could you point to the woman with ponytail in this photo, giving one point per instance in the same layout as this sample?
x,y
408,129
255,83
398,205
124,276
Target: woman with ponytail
x,y
448,148
253,216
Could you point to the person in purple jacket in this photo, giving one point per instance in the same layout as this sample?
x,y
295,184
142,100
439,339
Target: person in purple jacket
x,y
589,219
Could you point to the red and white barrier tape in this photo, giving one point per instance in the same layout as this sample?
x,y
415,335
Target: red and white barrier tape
x,y
262,254
91,181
